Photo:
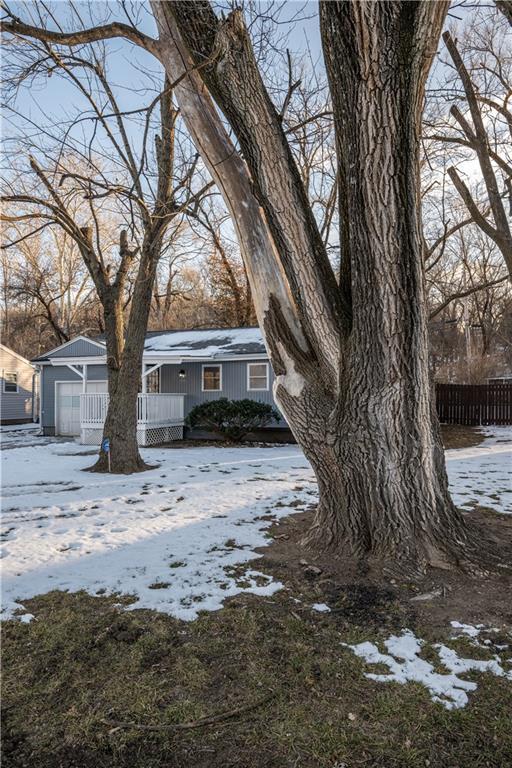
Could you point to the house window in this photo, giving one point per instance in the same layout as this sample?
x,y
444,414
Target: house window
x,y
153,382
257,376
212,378
10,382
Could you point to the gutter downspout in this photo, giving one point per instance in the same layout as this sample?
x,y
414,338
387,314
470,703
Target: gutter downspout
x,y
40,397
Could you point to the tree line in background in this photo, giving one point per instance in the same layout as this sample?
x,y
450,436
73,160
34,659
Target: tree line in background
x,y
48,295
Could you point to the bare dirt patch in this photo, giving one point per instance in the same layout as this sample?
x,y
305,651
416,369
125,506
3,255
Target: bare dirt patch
x,y
432,601
453,435
459,436
198,442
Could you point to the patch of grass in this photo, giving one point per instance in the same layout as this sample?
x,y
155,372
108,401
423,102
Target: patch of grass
x,y
83,663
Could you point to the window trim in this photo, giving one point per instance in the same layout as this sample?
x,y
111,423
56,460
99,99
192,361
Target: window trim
x,y
10,391
258,389
211,365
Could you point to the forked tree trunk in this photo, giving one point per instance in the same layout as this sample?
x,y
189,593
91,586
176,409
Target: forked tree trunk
x,y
351,362
357,396
372,438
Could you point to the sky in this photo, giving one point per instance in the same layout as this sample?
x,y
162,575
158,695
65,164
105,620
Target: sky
x,y
124,58
52,99
44,102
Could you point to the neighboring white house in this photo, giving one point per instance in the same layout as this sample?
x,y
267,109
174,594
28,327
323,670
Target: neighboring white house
x,y
17,388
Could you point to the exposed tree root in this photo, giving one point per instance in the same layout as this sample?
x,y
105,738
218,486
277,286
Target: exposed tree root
x,y
128,468
471,550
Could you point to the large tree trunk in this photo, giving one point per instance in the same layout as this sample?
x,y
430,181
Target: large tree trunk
x,y
357,394
383,478
351,360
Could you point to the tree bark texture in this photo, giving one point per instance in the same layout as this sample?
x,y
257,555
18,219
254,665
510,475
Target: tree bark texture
x,y
387,459
125,372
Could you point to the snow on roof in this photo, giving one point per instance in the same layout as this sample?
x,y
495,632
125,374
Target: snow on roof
x,y
207,343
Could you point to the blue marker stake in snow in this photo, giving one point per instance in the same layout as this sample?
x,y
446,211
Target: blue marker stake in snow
x,y
105,446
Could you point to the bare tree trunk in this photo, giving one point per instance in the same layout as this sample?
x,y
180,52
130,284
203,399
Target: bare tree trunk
x,y
119,426
371,434
383,479
124,367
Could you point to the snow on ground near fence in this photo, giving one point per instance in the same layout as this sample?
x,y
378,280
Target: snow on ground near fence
x,y
482,475
167,535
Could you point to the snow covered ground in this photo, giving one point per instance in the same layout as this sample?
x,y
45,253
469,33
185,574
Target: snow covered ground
x,y
483,474
18,435
167,535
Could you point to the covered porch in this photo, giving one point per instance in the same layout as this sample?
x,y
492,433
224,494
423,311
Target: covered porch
x,y
160,417
82,404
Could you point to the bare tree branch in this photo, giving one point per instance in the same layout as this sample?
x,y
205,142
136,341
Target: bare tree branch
x,y
500,233
465,293
80,37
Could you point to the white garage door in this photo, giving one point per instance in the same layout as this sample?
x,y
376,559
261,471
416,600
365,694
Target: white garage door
x,y
67,404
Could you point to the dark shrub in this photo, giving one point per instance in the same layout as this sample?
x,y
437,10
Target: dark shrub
x,y
233,419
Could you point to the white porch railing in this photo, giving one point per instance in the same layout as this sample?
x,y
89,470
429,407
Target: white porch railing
x,y
155,409
152,409
93,409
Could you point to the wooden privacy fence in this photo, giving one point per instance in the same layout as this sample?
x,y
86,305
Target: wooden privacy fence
x,y
474,404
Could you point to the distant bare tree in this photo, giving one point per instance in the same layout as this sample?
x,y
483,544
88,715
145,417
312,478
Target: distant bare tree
x,y
92,157
225,274
481,123
48,273
308,122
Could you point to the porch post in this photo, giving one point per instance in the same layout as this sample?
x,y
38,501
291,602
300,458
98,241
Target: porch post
x,y
84,379
144,380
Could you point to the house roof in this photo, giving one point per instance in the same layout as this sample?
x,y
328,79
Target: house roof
x,y
211,342
15,354
203,343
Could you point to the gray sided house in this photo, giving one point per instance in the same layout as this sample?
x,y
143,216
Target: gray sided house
x,y
180,370
18,388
